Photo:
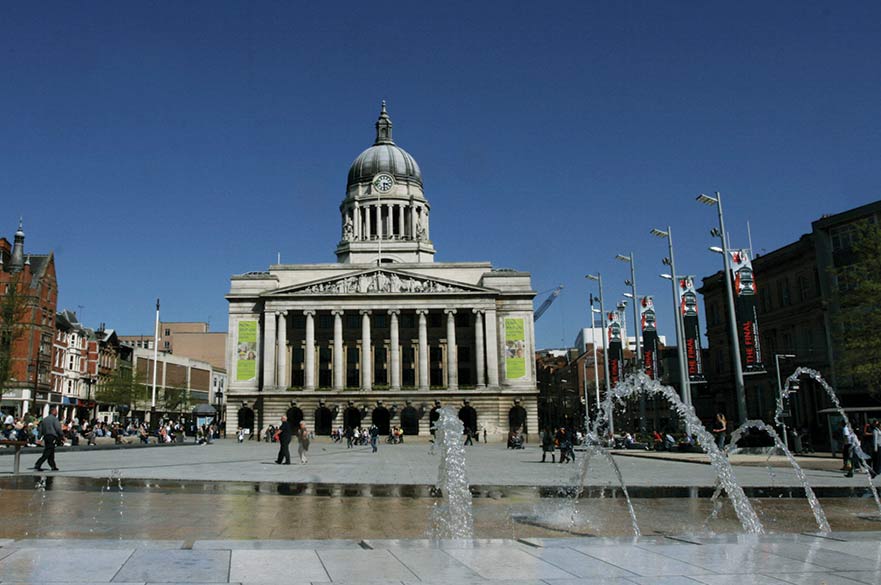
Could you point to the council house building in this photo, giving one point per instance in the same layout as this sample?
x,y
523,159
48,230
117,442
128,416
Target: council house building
x,y
385,334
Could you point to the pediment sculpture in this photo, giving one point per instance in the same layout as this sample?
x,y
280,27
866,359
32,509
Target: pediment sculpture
x,y
379,282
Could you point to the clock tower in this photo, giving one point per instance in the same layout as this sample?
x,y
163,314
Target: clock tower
x,y
385,213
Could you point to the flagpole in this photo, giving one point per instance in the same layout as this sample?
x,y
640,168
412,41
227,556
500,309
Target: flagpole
x,y
155,367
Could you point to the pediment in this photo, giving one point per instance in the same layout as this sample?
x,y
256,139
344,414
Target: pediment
x,y
378,281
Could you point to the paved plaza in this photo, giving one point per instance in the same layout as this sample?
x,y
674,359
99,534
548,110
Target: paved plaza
x,y
407,464
795,559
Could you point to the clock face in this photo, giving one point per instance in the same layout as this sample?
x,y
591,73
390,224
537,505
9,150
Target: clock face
x,y
383,182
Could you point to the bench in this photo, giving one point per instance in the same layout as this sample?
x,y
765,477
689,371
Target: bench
x,y
18,445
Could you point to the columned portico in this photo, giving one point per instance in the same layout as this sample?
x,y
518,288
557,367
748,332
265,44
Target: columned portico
x,y
269,349
478,348
282,374
309,354
423,349
338,380
452,352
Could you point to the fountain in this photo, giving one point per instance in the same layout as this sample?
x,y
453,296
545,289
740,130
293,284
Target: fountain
x,y
451,518
589,452
759,425
833,396
637,384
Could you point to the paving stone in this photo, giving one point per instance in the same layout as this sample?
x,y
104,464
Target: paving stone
x,y
643,561
579,564
507,564
101,543
434,565
668,580
276,566
870,577
816,553
356,565
184,566
36,565
275,544
815,579
735,558
737,580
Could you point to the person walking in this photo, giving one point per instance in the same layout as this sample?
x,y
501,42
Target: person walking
x,y
284,442
303,440
719,430
374,438
876,444
468,436
547,446
50,431
857,455
846,434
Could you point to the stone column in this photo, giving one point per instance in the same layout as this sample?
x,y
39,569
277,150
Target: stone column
x,y
395,380
356,219
411,233
309,355
283,350
268,349
492,349
338,373
478,347
452,355
423,349
367,214
366,357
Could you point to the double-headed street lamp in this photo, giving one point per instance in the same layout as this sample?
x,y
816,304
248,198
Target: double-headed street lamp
x,y
599,279
677,314
632,284
732,319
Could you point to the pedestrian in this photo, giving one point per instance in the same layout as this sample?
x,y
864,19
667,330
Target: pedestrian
x,y
284,442
876,444
350,436
374,438
857,455
484,435
846,434
564,443
719,429
468,436
50,430
547,446
303,440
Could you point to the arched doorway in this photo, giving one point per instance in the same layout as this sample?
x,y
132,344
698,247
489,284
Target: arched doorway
x,y
323,420
468,416
295,415
246,417
381,418
517,418
410,420
351,417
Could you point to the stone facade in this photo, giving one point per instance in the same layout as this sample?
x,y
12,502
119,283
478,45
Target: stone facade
x,y
386,329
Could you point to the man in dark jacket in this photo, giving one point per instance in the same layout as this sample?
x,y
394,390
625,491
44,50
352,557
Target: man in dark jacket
x,y
284,440
50,431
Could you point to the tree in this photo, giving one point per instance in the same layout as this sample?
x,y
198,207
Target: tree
x,y
175,399
857,324
124,388
14,304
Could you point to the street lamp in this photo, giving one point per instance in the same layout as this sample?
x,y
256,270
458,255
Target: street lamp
x,y
677,314
777,358
599,279
732,319
632,283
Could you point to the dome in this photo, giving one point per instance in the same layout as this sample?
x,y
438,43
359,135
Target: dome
x,y
387,158
384,156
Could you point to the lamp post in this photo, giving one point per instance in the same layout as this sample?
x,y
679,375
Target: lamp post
x,y
155,367
677,314
599,279
777,358
593,338
632,284
732,319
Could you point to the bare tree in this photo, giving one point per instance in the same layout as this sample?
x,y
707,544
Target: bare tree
x,y
14,304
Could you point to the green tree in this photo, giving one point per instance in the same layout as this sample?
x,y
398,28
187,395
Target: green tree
x,y
124,388
857,324
176,399
14,304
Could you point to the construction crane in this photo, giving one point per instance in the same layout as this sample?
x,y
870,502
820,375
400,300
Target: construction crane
x,y
547,304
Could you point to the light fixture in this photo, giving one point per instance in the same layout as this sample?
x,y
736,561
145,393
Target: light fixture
x,y
706,199
659,233
628,282
628,295
592,276
622,258
716,249
665,262
666,276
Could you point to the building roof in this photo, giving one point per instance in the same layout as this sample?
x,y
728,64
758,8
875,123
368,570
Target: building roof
x,y
384,156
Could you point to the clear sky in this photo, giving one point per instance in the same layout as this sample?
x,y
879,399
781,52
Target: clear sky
x,y
159,147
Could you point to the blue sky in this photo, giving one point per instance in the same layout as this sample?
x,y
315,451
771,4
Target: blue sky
x,y
159,147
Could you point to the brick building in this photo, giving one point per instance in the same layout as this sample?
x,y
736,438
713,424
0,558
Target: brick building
x,y
190,339
29,387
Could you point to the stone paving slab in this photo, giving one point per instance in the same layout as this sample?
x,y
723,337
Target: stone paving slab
x,y
356,565
97,543
507,564
276,545
185,566
37,565
276,566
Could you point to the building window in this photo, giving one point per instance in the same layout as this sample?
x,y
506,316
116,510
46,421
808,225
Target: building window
x,y
166,344
167,332
804,288
325,321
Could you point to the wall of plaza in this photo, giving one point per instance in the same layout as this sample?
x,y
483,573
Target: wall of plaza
x,y
406,332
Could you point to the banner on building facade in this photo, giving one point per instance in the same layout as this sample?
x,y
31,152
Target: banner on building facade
x,y
649,326
616,350
745,309
691,332
515,349
246,349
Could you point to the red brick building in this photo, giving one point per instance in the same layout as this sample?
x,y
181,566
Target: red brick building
x,y
29,387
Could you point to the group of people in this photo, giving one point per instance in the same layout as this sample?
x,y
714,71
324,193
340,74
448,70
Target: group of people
x,y
284,435
561,438
861,450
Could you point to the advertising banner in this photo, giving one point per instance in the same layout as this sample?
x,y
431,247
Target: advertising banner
x,y
515,348
651,364
745,309
616,350
246,350
691,331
